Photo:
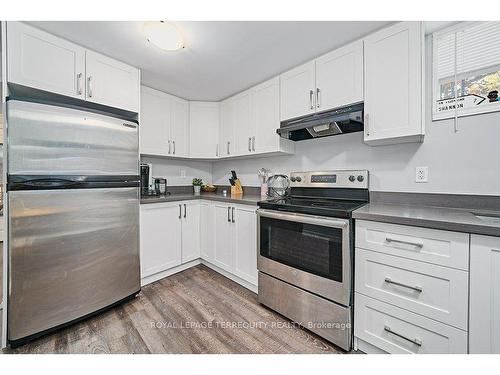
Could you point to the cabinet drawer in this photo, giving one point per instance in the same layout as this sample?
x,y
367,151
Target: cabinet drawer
x,y
436,292
450,249
399,331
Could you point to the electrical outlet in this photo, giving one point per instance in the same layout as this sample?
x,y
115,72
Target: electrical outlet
x,y
422,174
183,173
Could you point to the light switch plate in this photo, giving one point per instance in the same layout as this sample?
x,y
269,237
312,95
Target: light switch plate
x,y
422,174
183,173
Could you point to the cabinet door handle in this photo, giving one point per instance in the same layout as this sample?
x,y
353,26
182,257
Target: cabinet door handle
x,y
180,212
89,86
417,244
169,144
228,143
367,125
79,83
249,143
311,95
232,215
185,211
318,93
229,214
415,288
388,329
217,149
173,142
253,143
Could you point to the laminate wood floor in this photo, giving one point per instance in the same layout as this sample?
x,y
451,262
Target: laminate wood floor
x,y
195,311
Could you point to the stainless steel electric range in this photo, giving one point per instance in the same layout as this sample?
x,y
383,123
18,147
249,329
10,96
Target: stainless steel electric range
x,y
306,251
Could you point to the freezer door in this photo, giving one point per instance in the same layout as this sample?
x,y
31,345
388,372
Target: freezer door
x,y
71,252
50,140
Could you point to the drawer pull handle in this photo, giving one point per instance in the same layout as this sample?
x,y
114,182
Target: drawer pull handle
x,y
417,342
417,244
415,288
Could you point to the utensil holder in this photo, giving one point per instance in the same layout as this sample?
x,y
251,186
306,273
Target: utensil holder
x,y
237,189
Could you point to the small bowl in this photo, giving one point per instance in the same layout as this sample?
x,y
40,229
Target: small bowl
x,y
209,189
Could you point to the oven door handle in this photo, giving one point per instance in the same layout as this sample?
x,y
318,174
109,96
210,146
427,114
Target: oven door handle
x,y
304,219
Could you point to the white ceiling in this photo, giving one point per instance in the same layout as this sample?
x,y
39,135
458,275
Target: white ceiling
x,y
220,58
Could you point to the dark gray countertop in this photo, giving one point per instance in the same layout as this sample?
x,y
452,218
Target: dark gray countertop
x,y
248,199
452,219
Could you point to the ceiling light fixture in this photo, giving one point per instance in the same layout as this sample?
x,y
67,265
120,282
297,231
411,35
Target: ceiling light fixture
x,y
164,35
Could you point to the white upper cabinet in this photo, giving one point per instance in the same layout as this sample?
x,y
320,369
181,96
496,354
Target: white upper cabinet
x,y
330,81
204,129
266,116
227,124
111,82
154,124
164,124
243,124
298,88
484,301
179,126
394,84
339,77
42,61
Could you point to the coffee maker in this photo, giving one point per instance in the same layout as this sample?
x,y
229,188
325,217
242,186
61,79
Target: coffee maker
x,y
146,178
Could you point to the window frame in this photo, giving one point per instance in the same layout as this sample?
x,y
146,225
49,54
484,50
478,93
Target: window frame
x,y
485,108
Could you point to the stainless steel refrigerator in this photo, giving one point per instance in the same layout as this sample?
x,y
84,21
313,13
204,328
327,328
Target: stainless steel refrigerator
x,y
73,215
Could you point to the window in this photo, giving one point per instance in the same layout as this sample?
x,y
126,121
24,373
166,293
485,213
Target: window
x,y
466,70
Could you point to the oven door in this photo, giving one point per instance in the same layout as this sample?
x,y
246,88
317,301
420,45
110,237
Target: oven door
x,y
310,252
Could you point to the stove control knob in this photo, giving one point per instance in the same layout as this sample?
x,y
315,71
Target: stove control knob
x,y
293,179
298,179
360,178
352,178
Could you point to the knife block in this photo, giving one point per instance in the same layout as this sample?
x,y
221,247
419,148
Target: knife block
x,y
237,189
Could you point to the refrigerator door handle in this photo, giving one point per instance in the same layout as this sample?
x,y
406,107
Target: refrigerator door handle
x,y
50,182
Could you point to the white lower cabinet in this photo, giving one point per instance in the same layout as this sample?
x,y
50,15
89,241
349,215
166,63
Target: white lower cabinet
x,y
221,234
160,237
395,330
411,289
190,231
484,329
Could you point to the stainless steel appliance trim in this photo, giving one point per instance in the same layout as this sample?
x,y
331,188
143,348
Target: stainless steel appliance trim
x,y
415,341
323,317
418,289
342,179
417,244
340,292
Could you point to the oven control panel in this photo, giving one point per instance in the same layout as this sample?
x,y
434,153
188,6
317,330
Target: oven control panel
x,y
330,179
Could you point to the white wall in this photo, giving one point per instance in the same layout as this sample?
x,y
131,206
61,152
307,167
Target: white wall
x,y
466,162
172,169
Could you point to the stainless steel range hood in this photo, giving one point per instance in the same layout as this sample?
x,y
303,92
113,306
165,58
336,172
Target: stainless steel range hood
x,y
337,121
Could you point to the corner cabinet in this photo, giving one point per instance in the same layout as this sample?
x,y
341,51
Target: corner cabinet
x,y
204,129
43,61
394,84
484,314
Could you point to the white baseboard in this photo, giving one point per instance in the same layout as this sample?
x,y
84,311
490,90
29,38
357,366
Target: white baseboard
x,y
230,276
160,275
